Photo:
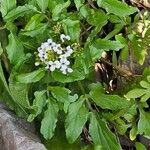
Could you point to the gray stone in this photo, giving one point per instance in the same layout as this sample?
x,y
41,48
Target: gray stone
x,y
16,133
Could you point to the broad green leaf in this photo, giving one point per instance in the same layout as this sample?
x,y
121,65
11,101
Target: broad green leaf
x,y
101,135
79,3
19,11
112,102
43,4
59,8
144,123
135,93
39,29
116,30
38,104
95,31
53,4
62,94
33,22
140,146
97,18
49,121
85,11
19,93
31,77
75,120
145,84
72,28
76,75
14,49
107,44
116,7
6,6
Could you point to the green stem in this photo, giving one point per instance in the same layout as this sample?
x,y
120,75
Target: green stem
x,y
84,93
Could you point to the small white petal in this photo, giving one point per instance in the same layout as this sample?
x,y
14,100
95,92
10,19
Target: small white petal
x,y
57,64
59,52
67,37
50,63
67,63
63,67
37,63
55,49
49,41
52,68
62,36
69,70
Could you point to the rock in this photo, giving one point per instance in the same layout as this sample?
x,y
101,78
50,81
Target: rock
x,y
16,133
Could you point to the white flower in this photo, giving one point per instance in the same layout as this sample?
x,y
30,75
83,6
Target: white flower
x,y
64,61
44,45
63,69
69,51
53,65
64,37
42,55
57,49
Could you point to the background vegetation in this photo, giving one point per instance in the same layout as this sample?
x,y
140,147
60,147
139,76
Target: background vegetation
x,y
104,102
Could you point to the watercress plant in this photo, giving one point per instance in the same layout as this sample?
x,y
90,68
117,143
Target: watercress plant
x,y
48,51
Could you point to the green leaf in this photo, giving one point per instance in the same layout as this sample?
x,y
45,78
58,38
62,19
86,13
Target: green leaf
x,y
72,28
101,135
135,93
33,22
43,4
31,77
112,102
19,93
49,121
59,8
38,104
19,12
62,94
34,26
145,84
144,123
76,75
75,120
97,18
107,44
79,3
116,30
140,146
6,6
39,29
14,49
116,7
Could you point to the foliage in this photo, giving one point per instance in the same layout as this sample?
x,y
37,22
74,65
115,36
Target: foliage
x,y
38,93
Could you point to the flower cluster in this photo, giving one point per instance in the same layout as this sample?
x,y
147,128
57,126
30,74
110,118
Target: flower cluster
x,y
54,56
